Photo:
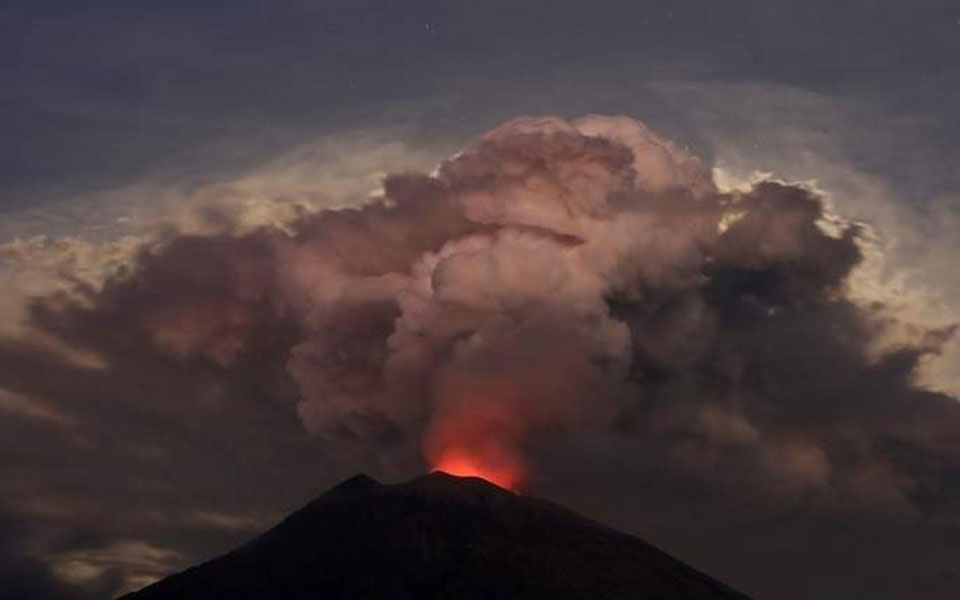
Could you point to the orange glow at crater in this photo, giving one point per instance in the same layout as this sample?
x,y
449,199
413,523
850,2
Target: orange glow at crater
x,y
478,434
501,471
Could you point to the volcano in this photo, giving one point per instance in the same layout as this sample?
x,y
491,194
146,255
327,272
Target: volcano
x,y
438,537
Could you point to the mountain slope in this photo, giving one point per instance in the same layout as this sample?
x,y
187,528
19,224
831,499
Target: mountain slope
x,y
438,537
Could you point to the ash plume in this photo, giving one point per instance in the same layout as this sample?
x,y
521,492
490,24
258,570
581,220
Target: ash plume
x,y
560,302
554,280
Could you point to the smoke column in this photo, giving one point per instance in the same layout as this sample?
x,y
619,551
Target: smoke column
x,y
559,289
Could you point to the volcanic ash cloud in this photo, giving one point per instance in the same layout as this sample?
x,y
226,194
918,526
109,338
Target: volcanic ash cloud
x,y
552,289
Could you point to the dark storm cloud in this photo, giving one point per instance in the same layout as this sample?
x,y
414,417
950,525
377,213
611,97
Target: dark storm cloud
x,y
573,304
194,88
156,456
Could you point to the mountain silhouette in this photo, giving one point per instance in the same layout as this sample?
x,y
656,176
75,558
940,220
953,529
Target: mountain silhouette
x,y
438,537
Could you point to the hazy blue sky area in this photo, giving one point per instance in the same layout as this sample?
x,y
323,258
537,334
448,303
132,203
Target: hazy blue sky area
x,y
160,400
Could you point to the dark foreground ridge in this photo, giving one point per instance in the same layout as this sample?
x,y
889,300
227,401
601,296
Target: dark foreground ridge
x,y
438,537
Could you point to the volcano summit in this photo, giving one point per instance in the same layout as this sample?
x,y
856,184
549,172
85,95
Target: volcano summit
x,y
438,537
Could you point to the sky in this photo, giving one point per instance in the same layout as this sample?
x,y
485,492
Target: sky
x,y
225,237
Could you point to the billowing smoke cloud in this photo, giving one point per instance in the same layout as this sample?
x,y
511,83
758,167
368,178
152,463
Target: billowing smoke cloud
x,y
551,280
558,298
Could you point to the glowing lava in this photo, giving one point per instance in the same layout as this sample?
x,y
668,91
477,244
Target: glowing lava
x,y
478,434
501,471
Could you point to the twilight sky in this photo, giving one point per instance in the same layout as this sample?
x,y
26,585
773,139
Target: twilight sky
x,y
759,377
